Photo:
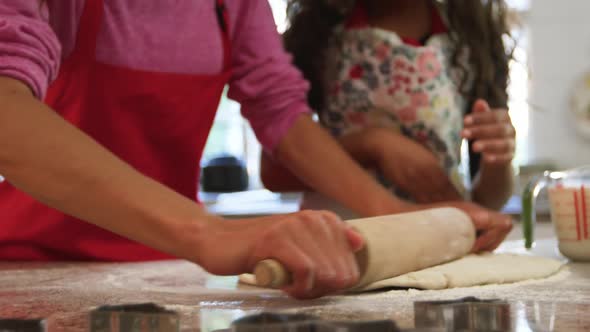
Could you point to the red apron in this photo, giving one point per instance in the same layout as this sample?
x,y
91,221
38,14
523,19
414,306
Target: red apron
x,y
156,122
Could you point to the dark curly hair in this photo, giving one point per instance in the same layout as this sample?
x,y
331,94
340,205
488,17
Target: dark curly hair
x,y
479,25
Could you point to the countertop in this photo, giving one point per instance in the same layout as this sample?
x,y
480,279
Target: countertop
x,y
255,203
64,293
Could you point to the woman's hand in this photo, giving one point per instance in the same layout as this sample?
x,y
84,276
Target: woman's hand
x,y
315,246
492,133
412,168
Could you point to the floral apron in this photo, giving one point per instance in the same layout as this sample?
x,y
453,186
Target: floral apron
x,y
375,79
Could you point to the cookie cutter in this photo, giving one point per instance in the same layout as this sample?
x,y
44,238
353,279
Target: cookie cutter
x,y
23,325
278,322
145,317
465,314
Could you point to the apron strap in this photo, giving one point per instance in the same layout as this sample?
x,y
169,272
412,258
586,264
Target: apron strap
x,y
223,20
89,26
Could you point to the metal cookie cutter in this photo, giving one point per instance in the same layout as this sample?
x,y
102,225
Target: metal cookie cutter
x,y
22,325
269,322
466,314
146,317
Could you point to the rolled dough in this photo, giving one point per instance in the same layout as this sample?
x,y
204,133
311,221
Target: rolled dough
x,y
471,270
402,243
474,270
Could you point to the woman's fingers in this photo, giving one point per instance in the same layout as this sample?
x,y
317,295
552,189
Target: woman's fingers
x,y
303,270
355,240
316,248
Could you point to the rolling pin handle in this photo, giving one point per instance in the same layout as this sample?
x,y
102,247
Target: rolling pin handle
x,y
271,273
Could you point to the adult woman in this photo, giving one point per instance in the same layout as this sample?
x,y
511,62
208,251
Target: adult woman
x,y
131,89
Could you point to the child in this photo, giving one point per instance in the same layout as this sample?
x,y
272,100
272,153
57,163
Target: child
x,y
400,83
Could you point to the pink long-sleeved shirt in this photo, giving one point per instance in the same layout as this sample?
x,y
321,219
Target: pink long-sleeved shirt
x,y
168,36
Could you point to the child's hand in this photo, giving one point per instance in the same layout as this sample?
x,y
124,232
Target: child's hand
x,y
492,133
315,246
414,169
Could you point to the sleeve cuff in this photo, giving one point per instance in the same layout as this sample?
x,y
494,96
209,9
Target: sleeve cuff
x,y
272,133
27,72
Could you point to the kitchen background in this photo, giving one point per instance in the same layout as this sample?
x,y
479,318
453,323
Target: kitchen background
x,y
551,58
559,57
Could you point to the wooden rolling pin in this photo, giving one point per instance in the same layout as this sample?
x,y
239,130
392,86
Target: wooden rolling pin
x,y
395,245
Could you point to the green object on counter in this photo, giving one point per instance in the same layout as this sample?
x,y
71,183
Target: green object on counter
x,y
531,175
527,216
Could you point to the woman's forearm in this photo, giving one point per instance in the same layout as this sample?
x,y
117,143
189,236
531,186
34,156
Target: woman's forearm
x,y
361,146
276,177
320,162
494,185
43,155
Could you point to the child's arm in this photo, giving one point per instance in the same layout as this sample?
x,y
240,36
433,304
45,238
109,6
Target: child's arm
x,y
493,136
